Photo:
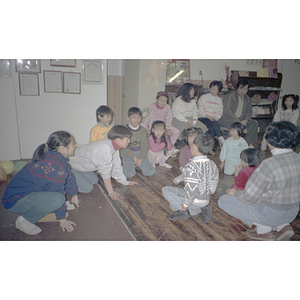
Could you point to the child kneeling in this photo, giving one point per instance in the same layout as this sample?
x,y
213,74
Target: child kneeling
x,y
201,178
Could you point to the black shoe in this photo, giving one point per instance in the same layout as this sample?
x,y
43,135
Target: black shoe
x,y
206,213
179,215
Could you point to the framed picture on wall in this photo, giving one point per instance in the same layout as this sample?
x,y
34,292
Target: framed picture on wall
x,y
178,71
4,68
53,82
29,84
63,62
92,71
270,63
28,65
72,83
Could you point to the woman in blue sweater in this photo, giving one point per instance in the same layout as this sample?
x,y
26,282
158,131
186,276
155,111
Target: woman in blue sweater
x,y
40,187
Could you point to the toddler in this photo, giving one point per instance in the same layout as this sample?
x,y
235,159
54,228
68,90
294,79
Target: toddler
x,y
136,153
250,160
288,112
104,116
201,178
232,148
159,145
188,135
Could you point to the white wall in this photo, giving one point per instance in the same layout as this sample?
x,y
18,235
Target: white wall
x,y
39,116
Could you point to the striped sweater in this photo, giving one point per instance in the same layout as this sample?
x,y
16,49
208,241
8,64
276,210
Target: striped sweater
x,y
210,105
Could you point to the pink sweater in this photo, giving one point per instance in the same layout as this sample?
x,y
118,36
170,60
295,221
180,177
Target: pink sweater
x,y
158,146
157,113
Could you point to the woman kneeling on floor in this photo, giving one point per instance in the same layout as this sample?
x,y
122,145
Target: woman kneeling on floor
x,y
39,188
271,196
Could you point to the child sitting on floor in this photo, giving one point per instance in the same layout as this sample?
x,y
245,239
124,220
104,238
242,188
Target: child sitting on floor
x,y
102,156
136,153
159,145
232,148
104,117
250,160
188,135
201,178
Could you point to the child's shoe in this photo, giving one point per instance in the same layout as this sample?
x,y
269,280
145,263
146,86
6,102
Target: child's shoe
x,y
263,146
178,179
174,152
179,215
206,213
165,165
27,227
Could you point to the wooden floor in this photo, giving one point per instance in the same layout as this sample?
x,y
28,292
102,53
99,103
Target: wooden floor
x,y
145,211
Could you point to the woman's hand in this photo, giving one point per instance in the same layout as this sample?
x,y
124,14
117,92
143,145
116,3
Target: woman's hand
x,y
75,200
67,225
190,122
231,192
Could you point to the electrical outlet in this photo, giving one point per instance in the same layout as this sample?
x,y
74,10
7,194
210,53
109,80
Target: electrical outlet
x,y
200,73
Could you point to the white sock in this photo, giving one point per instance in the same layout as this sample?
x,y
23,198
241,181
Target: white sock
x,y
262,229
278,228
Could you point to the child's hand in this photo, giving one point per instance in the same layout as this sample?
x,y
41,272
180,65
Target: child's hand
x,y
67,225
114,195
222,163
238,169
169,132
183,208
138,162
75,200
132,183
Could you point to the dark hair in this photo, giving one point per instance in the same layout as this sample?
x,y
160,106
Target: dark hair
x,y
282,134
294,97
219,84
204,142
133,111
242,83
186,133
238,126
252,157
184,91
55,140
163,138
119,132
103,110
162,94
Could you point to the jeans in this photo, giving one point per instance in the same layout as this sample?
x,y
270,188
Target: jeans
x,y
85,180
129,166
213,127
38,204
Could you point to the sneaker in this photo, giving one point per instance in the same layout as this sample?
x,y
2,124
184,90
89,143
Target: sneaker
x,y
206,213
285,233
270,236
263,146
27,227
174,152
178,179
70,206
251,146
165,165
179,215
211,153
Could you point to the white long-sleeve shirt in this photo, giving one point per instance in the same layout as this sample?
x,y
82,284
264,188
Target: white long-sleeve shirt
x,y
99,156
181,110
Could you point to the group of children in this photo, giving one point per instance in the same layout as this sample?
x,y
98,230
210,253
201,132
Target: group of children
x,y
56,170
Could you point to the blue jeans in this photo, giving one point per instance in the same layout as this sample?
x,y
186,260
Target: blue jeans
x,y
258,213
213,127
85,180
129,166
37,205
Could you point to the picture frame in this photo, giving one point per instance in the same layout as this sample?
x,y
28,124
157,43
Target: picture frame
x,y
53,82
5,68
28,65
270,63
63,62
178,71
92,71
72,83
29,84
